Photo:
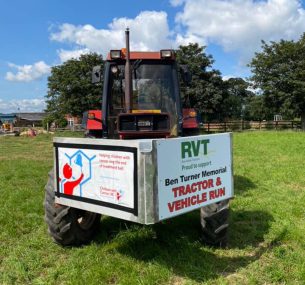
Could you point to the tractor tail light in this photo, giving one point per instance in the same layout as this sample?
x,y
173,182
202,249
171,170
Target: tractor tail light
x,y
91,116
193,114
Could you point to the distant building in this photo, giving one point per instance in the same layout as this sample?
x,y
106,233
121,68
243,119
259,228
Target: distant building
x,y
23,119
278,118
8,118
30,119
72,120
7,122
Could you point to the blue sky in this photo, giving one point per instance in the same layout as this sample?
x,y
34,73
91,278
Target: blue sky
x,y
36,35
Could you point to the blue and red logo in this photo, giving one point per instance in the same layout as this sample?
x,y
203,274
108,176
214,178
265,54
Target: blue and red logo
x,y
76,172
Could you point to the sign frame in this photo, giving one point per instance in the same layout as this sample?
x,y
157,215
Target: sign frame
x,y
133,150
161,198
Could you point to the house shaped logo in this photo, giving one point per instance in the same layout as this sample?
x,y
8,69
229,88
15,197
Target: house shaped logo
x,y
75,172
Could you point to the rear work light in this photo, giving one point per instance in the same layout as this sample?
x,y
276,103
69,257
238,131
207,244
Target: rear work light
x,y
166,53
115,54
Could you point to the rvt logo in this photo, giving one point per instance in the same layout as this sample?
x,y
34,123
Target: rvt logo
x,y
192,148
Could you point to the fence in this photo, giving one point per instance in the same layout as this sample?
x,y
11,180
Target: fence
x,y
74,128
218,127
250,125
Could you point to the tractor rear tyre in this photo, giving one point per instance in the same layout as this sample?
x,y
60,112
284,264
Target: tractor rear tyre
x,y
66,225
214,223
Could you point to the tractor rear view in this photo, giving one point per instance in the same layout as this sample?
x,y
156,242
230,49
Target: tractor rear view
x,y
145,161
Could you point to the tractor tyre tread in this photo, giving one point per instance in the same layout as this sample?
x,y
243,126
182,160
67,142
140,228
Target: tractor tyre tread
x,y
214,224
62,221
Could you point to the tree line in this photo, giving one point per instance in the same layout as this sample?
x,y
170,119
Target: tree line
x,y
277,85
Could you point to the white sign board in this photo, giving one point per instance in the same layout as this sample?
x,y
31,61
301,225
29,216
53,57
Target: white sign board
x,y
101,175
193,172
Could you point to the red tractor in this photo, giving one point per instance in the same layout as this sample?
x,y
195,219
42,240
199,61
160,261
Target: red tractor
x,y
141,100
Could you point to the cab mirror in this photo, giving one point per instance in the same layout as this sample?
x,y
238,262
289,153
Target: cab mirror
x,y
186,75
97,75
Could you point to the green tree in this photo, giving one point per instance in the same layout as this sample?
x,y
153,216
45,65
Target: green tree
x,y
207,90
257,110
238,98
70,90
279,71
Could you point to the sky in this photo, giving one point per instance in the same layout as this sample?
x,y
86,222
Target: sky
x,y
36,35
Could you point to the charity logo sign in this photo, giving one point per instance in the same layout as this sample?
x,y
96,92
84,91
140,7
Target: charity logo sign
x,y
193,172
96,175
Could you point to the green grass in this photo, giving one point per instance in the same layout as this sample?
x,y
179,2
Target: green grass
x,y
267,233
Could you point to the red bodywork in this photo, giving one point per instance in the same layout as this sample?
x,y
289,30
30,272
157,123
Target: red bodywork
x,y
189,122
189,119
134,55
94,121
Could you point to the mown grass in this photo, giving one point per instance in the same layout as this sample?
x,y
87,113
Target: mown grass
x,y
267,244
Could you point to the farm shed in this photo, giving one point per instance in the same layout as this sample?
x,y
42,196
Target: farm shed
x,y
30,119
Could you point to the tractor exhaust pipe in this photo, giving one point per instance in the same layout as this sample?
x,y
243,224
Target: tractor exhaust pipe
x,y
128,76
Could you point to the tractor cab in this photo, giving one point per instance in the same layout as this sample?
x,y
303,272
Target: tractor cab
x,y
154,101
141,97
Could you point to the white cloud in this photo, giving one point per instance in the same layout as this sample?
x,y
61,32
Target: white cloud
x,y
236,25
239,25
65,55
227,77
189,38
176,3
148,31
24,105
28,73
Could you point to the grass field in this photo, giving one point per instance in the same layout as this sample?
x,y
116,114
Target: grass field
x,y
267,233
